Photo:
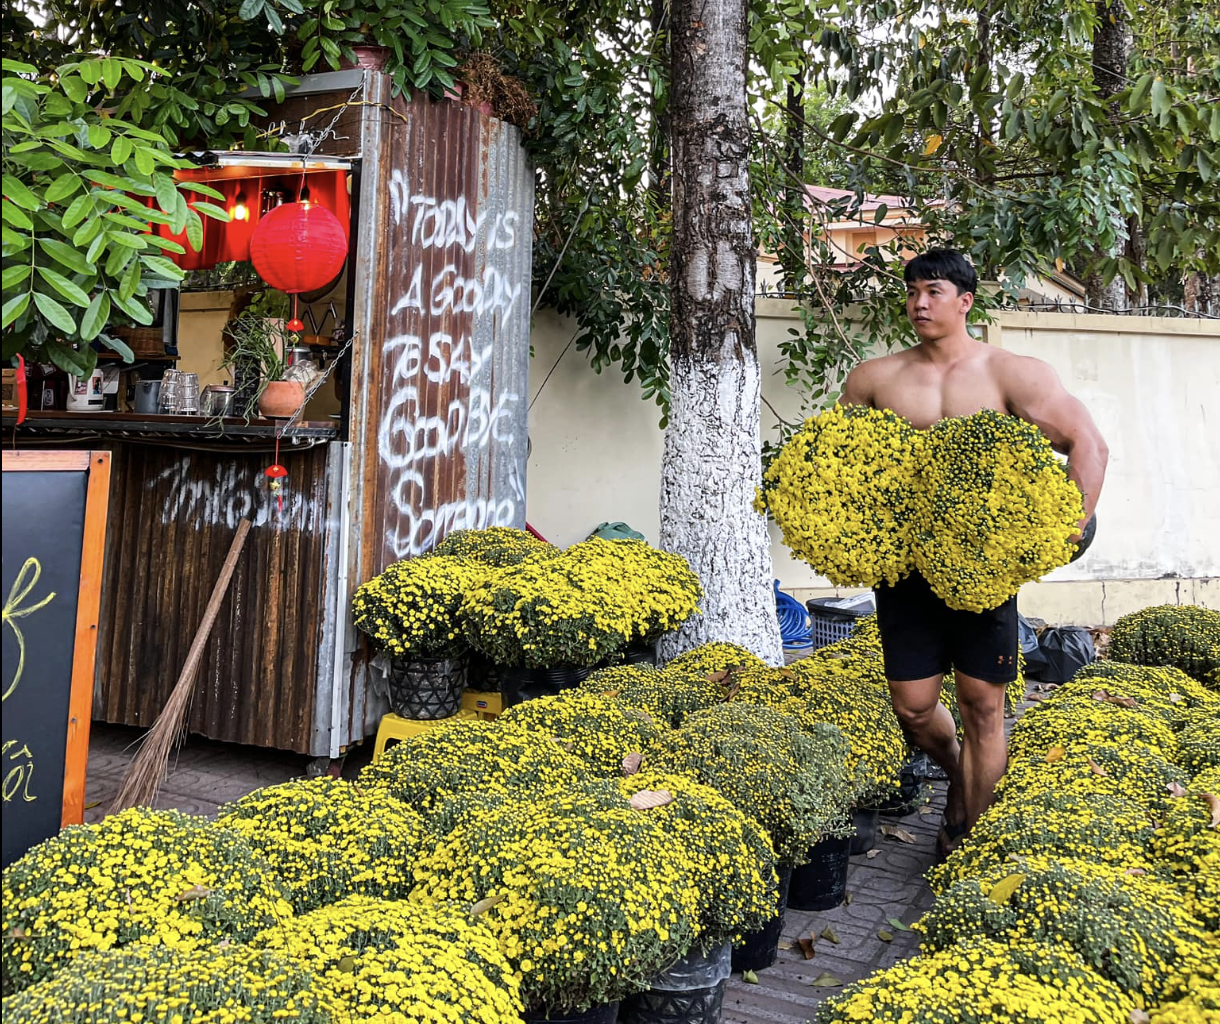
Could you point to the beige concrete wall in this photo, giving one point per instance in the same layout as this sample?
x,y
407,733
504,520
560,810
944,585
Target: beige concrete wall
x,y
1153,385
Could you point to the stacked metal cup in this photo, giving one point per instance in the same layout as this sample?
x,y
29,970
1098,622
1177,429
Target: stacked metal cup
x,y
170,399
190,394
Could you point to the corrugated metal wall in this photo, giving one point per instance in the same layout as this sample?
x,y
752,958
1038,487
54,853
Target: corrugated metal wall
x,y
173,515
451,320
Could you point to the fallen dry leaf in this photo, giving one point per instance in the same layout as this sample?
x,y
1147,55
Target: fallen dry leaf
x,y
826,980
1098,769
631,763
647,799
347,964
785,944
1055,754
1135,871
749,977
893,922
1176,789
195,892
1213,802
1035,696
829,935
926,810
885,936
1002,891
806,947
1100,694
1138,1016
899,833
1176,698
872,853
718,677
847,898
485,904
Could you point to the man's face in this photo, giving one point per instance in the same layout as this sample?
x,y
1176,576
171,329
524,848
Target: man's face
x,y
935,308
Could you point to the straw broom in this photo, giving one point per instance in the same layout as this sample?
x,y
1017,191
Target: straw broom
x,y
151,765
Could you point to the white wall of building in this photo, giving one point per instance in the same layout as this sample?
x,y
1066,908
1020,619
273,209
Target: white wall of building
x,y
1152,384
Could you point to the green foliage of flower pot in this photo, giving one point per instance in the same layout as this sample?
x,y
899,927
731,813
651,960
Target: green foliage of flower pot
x,y
1099,829
1185,636
1187,847
402,960
234,985
729,856
792,781
1069,718
599,730
1166,692
497,546
1199,741
1129,928
588,896
411,609
714,657
327,839
581,607
468,756
156,877
667,695
983,982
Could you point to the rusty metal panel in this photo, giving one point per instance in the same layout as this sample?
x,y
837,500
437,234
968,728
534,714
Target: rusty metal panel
x,y
173,514
447,415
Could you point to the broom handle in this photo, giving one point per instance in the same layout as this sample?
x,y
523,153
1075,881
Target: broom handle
x,y
195,655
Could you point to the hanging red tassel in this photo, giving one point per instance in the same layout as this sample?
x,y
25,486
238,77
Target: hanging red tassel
x,y
276,474
295,324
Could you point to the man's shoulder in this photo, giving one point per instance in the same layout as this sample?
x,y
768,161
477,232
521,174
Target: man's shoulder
x,y
881,365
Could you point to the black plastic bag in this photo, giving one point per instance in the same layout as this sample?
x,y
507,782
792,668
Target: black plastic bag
x,y
1027,636
1066,649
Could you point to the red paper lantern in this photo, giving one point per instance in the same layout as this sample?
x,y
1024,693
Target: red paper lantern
x,y
298,247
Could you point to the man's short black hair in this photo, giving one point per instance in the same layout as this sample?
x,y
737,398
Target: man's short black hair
x,y
943,265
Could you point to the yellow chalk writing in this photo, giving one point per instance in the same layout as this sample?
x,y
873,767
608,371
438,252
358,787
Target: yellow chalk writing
x,y
27,580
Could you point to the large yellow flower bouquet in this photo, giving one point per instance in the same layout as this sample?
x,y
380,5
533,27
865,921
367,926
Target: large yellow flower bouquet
x,y
843,492
496,546
978,504
411,609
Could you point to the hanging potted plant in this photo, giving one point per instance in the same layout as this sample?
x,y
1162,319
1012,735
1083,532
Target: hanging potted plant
x,y
257,354
410,612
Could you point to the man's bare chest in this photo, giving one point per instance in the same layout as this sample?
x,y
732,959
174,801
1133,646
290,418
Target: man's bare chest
x,y
925,399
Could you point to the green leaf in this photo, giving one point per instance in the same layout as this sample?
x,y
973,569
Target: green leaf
x,y
162,267
15,191
250,9
77,210
120,152
96,317
749,977
893,921
54,313
68,255
118,346
14,275
130,280
135,309
14,307
61,187
1160,97
215,212
79,362
15,215
99,137
74,88
112,73
1140,92
70,290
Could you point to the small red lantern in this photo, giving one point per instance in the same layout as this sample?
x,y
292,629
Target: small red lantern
x,y
298,247
275,475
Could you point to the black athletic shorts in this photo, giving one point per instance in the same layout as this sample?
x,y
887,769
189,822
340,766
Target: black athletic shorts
x,y
921,636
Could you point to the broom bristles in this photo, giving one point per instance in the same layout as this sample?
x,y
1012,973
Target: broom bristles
x,y
150,766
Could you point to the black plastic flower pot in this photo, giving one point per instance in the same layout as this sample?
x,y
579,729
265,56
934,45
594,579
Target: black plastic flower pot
x,y
865,820
640,654
689,1006
821,882
602,1013
427,688
911,781
759,949
521,684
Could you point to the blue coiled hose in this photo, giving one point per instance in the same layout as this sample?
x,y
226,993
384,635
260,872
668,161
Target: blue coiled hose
x,y
793,621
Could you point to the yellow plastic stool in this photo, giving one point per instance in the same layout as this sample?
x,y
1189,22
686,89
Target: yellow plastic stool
x,y
487,704
394,727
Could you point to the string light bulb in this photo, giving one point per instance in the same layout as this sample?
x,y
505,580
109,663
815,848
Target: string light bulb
x,y
240,211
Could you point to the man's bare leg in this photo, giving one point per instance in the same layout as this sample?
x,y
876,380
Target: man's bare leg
x,y
929,726
984,753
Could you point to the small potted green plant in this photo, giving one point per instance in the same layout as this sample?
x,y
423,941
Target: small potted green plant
x,y
256,355
411,613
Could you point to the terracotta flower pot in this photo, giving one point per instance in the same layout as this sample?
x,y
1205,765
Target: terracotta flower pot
x,y
369,57
281,399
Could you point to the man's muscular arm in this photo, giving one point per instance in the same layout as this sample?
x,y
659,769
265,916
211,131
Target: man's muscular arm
x,y
1035,393
857,389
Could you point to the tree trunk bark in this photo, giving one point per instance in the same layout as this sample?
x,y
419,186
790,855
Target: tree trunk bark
x,y
712,458
1111,53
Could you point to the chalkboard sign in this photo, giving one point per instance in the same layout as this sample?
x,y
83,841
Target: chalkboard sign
x,y
54,536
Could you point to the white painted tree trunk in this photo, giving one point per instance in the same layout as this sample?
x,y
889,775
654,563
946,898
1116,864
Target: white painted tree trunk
x,y
712,459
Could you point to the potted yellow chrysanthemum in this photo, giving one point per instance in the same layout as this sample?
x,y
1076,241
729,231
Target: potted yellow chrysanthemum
x,y
411,613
